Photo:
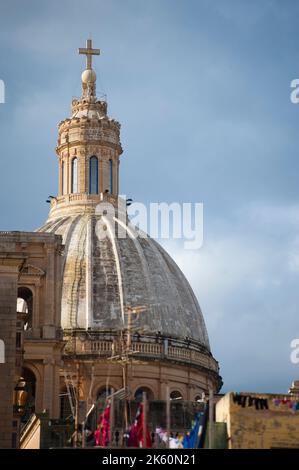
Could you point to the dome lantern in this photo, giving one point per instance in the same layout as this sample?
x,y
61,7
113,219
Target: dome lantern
x,y
88,149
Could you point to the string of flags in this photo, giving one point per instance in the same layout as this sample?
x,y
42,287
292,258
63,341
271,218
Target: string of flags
x,y
293,405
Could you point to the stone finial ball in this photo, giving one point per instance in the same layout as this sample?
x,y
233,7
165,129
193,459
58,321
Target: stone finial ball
x,y
88,76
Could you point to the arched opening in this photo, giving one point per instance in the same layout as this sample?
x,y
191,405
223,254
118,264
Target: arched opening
x,y
30,388
74,185
110,176
25,306
175,395
93,175
103,393
139,393
199,398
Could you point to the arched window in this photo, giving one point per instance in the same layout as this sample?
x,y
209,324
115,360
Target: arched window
x,y
176,395
62,178
139,393
93,175
198,398
110,176
30,387
103,393
25,305
74,186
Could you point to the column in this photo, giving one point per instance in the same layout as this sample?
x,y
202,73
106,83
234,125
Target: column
x,y
49,312
48,385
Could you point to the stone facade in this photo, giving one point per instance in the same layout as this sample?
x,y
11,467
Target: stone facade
x,y
10,264
29,262
249,428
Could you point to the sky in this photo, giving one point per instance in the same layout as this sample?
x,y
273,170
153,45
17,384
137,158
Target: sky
x,y
202,91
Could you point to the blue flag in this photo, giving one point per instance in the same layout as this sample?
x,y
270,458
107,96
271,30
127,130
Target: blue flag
x,y
191,440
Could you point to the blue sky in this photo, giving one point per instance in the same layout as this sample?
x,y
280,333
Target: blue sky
x,y
202,90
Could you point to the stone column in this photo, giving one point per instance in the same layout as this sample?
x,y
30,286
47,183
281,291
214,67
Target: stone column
x,y
48,385
36,319
49,314
56,388
105,167
117,177
67,176
60,178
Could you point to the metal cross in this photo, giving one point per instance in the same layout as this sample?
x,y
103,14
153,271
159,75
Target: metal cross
x,y
89,52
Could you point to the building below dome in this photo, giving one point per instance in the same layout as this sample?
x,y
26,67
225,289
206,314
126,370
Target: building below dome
x,y
95,313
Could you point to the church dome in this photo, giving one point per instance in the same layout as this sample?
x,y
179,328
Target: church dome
x,y
122,294
102,277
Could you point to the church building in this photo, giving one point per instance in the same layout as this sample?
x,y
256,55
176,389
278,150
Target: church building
x,y
89,307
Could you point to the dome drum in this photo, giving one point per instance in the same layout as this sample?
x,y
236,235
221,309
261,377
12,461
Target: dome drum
x,y
103,345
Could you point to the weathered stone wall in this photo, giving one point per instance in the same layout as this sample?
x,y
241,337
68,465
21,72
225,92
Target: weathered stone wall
x,y
251,428
30,261
9,269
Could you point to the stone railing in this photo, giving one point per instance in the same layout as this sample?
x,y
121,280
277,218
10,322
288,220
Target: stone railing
x,y
104,347
149,349
83,197
144,347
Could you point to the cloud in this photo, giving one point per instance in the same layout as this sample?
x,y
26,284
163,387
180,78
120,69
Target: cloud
x,y
202,94
247,288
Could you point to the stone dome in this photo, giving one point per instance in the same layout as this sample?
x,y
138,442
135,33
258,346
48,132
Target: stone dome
x,y
101,277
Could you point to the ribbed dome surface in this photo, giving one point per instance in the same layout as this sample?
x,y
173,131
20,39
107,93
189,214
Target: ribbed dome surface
x,y
101,277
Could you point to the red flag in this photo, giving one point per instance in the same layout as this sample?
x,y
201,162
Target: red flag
x,y
136,432
102,433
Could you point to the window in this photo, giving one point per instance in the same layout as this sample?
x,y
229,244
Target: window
x,y
103,393
74,188
93,175
138,395
110,176
176,395
25,306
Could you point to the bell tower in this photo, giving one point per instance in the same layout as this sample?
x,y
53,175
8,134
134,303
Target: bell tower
x,y
88,147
